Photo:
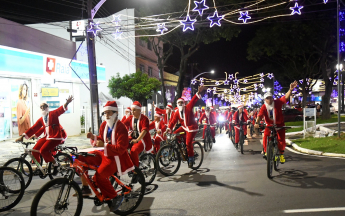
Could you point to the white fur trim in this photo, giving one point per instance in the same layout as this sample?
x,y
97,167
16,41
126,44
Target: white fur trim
x,y
180,100
127,170
110,108
118,164
157,115
112,137
26,136
198,95
136,107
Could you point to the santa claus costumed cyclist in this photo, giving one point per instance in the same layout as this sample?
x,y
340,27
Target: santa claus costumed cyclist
x,y
138,125
168,112
52,133
239,115
128,112
114,158
188,124
159,125
210,119
273,114
230,117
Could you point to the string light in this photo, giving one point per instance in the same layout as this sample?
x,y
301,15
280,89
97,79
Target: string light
x,y
200,7
296,9
244,16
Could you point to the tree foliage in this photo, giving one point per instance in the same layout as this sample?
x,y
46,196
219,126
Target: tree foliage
x,y
136,86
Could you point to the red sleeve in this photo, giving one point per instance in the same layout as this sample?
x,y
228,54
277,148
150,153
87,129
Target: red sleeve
x,y
160,110
121,139
123,119
144,124
101,131
173,120
37,126
245,116
202,117
59,111
39,132
163,126
152,125
127,122
263,112
235,117
192,102
212,119
282,99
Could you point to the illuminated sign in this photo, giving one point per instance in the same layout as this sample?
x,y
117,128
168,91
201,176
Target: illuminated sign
x,y
50,92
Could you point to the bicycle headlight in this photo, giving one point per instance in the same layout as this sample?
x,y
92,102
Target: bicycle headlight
x,y
221,118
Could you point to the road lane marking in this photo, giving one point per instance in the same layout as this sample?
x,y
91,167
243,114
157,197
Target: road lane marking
x,y
314,210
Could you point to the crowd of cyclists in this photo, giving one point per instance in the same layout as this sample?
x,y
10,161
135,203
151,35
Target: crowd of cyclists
x,y
119,143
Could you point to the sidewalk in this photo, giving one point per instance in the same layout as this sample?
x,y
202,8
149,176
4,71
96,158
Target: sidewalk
x,y
9,149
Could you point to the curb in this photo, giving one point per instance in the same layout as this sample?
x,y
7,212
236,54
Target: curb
x,y
311,152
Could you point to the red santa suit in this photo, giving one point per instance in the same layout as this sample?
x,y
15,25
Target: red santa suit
x,y
114,157
198,113
230,117
276,117
188,123
52,134
160,128
209,120
128,109
236,120
167,117
142,125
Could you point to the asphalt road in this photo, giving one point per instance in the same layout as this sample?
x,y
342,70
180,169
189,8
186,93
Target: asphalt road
x,y
229,183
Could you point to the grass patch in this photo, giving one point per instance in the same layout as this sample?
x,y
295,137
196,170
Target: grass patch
x,y
331,144
333,119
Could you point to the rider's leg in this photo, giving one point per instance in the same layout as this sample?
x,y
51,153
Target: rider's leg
x,y
213,133
281,141
237,134
136,149
157,144
264,139
46,149
189,143
203,133
38,146
244,130
105,170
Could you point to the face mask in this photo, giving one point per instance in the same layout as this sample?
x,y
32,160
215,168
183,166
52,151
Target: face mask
x,y
45,112
111,120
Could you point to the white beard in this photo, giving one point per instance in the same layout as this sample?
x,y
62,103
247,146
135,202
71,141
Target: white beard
x,y
180,108
269,107
45,112
207,114
127,115
111,120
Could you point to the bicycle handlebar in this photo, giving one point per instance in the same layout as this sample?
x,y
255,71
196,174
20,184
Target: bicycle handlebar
x,y
25,143
85,154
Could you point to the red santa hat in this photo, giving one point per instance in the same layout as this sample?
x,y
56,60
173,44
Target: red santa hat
x,y
128,109
158,114
240,106
110,105
180,99
169,106
136,105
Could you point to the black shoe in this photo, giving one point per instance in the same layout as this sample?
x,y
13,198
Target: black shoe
x,y
134,178
214,140
116,203
85,191
227,132
236,145
265,156
56,169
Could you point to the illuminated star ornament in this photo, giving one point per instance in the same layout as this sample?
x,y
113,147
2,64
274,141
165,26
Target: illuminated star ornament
x,y
261,85
201,79
262,80
215,19
244,16
245,81
209,90
193,81
236,81
215,88
94,28
188,23
301,81
262,74
226,82
201,84
117,34
161,28
200,7
116,20
270,75
296,9
231,76
217,83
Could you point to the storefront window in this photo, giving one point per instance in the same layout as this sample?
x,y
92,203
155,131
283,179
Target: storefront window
x,y
55,95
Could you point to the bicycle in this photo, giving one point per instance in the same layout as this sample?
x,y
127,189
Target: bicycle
x,y
241,141
272,150
232,133
12,188
169,157
148,166
251,129
23,166
208,142
57,195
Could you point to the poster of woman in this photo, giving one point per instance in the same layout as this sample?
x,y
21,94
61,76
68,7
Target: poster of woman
x,y
23,110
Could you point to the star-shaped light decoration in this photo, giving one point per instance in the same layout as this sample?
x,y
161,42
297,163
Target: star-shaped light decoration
x,y
231,90
244,16
325,1
215,19
276,82
201,79
262,80
188,23
214,88
231,76
222,98
270,75
94,28
255,85
116,20
301,81
255,88
201,84
261,85
245,89
245,81
214,92
234,86
262,74
226,82
217,83
218,95
226,100
335,83
238,90
117,34
209,90
236,81
200,7
161,28
193,82
296,9
225,91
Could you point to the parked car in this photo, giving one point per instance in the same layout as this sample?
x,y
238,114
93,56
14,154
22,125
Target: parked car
x,y
292,115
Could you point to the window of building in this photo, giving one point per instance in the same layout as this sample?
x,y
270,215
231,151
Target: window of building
x,y
142,68
149,45
141,42
150,71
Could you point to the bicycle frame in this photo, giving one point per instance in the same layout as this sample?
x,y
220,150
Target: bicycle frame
x,y
29,152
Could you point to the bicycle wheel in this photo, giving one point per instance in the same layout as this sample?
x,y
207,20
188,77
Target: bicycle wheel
x,y
65,161
133,199
148,167
56,197
12,188
241,141
220,129
23,167
276,158
270,159
171,160
206,143
198,155
233,136
210,142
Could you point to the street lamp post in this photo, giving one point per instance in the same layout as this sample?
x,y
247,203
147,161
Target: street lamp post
x,y
212,72
339,66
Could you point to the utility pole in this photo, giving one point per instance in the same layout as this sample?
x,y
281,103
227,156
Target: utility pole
x,y
92,73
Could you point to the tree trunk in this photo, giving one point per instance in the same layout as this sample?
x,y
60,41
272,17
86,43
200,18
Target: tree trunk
x,y
182,72
326,112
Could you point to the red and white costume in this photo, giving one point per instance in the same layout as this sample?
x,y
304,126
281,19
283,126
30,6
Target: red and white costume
x,y
188,123
142,125
198,113
160,128
209,120
52,134
128,109
230,117
114,158
278,120
167,116
236,120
